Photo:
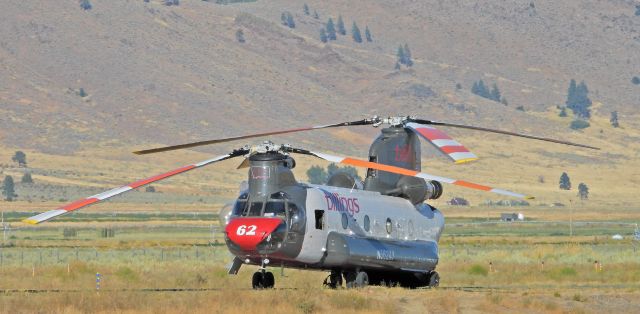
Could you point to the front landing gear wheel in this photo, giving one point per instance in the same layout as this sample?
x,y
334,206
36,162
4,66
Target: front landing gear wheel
x,y
263,280
434,279
257,281
269,280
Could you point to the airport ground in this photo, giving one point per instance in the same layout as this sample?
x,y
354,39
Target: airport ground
x,y
155,262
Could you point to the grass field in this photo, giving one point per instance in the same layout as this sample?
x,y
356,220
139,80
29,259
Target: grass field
x,y
485,267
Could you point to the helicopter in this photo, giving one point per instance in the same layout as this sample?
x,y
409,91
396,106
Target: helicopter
x,y
378,232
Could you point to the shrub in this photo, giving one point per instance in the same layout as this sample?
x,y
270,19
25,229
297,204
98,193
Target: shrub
x,y
579,124
478,270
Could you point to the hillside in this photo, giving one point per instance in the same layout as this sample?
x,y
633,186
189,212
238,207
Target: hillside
x,y
155,74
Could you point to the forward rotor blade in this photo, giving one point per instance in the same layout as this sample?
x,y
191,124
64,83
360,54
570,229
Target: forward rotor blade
x,y
228,139
477,128
125,188
408,172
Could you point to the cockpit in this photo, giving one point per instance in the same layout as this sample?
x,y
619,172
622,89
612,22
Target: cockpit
x,y
276,205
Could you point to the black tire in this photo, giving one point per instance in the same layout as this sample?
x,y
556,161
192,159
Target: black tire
x,y
350,279
434,279
362,280
257,281
269,280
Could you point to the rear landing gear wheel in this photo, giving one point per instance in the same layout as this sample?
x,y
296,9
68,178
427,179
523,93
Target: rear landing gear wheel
x,y
434,279
358,279
362,279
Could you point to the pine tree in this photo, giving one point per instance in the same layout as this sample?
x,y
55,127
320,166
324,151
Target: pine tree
x,y
583,191
571,94
504,101
355,31
397,66
306,9
290,21
563,112
8,189
475,89
614,119
480,89
407,56
341,29
578,99
283,18
400,55
240,36
331,30
26,178
21,158
316,15
495,93
323,36
582,101
367,34
85,5
565,182
317,175
635,80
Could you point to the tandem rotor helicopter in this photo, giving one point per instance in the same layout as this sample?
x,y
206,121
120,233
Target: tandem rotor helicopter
x,y
377,232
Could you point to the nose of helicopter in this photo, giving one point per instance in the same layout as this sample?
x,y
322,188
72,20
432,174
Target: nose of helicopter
x,y
247,232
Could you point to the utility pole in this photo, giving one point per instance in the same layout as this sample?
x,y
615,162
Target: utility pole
x,y
570,219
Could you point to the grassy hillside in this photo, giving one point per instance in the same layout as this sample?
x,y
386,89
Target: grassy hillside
x,y
154,74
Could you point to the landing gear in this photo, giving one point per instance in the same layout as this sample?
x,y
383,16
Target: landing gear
x,y
263,280
357,279
433,279
334,280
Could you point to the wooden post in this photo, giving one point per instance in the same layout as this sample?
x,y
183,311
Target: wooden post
x,y
490,267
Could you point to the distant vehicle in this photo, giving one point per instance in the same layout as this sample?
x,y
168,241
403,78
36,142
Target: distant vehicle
x,y
379,231
512,217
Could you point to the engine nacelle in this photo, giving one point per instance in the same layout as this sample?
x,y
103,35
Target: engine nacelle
x,y
417,190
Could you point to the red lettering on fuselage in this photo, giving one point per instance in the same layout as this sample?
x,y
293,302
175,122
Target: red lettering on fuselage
x,y
336,202
403,153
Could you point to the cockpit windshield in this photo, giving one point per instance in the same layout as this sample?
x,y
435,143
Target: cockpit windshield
x,y
274,206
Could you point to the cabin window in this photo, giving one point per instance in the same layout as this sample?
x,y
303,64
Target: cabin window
x,y
389,226
367,223
240,205
319,219
345,221
372,172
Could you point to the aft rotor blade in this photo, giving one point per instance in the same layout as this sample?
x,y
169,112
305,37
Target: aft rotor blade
x,y
477,128
242,137
408,172
443,142
125,188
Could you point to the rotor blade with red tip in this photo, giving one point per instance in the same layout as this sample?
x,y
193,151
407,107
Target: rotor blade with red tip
x,y
408,172
228,139
443,142
477,128
125,188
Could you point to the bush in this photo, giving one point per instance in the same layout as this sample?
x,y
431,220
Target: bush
x,y
478,270
635,80
579,124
